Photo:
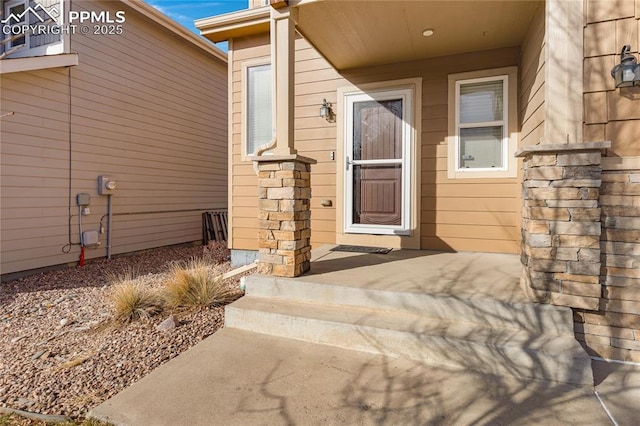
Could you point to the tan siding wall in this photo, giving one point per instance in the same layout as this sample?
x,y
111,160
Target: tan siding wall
x,y
147,108
244,185
465,214
532,71
610,114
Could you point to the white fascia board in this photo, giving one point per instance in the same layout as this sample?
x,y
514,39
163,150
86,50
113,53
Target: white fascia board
x,y
38,63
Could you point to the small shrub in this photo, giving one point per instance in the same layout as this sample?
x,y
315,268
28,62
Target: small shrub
x,y
216,252
196,284
131,300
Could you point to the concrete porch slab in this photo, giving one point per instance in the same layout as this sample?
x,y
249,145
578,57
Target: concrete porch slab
x,y
237,378
464,274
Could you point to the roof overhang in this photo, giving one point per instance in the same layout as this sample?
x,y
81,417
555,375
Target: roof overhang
x,y
360,33
357,33
236,24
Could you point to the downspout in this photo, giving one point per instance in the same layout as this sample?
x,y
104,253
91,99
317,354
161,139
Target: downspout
x,y
263,148
274,142
81,259
109,224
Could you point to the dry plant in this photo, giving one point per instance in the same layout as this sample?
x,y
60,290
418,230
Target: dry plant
x,y
196,284
74,362
132,300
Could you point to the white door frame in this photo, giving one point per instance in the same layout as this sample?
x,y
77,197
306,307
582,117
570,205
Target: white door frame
x,y
412,240
406,95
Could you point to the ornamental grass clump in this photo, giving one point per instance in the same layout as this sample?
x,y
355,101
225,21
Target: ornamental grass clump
x,y
132,300
196,284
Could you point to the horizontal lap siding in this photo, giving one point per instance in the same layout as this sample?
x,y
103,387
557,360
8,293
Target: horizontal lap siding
x,y
139,114
244,183
463,214
315,137
532,82
33,168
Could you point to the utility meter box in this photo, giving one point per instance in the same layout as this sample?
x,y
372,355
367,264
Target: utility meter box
x,y
83,199
106,185
90,239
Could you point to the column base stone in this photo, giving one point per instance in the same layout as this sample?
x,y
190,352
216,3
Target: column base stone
x,y
284,192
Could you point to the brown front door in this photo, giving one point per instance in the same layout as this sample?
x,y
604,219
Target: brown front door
x,y
377,188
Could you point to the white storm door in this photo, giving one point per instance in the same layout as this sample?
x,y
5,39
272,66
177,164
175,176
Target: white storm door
x,y
377,160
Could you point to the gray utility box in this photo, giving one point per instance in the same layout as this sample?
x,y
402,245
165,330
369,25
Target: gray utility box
x,y
106,185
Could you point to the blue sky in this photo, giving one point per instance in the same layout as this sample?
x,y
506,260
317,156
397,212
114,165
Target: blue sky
x,y
187,11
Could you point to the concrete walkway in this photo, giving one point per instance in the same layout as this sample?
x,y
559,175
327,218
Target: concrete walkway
x,y
241,378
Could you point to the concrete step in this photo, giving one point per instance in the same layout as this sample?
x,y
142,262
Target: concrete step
x,y
486,311
434,341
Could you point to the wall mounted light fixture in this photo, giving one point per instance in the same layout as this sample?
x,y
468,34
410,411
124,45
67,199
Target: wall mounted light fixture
x,y
326,111
627,72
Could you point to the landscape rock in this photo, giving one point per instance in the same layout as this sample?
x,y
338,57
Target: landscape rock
x,y
167,325
36,378
37,355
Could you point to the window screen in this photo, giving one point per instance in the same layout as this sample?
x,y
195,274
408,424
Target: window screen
x,y
259,125
481,124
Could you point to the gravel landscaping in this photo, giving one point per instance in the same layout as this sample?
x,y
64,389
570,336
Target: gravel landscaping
x,y
62,355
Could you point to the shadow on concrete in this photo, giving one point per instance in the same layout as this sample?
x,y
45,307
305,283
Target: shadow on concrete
x,y
342,261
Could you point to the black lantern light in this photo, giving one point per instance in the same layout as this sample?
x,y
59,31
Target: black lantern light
x,y
325,110
627,72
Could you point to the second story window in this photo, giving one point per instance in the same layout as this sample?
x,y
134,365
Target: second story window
x,y
31,28
17,9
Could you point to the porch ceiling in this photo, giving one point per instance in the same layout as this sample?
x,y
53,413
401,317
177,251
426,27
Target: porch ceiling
x,y
353,33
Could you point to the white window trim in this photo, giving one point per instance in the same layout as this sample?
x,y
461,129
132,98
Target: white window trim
x,y
407,96
509,75
245,104
6,11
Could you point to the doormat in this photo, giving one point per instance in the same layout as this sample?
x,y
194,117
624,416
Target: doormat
x,y
362,249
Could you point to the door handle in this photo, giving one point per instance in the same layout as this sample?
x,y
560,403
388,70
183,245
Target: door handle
x,y
348,162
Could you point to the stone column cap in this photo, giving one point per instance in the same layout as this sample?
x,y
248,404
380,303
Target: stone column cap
x,y
282,158
562,147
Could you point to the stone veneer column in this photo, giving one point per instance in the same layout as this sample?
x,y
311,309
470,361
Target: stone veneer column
x,y
561,224
284,214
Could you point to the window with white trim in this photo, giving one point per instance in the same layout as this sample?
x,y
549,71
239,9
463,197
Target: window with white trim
x,y
258,101
482,124
43,20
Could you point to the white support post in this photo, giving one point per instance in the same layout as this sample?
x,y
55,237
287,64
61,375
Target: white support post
x,y
563,72
283,57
